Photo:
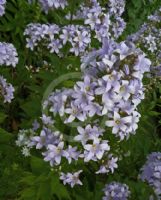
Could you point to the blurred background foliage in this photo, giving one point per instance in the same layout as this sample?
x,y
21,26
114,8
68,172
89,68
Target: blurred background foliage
x,y
31,178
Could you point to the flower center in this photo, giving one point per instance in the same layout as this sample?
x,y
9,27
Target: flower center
x,y
87,88
118,122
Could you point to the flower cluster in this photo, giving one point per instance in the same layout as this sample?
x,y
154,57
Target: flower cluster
x,y
52,4
116,191
55,38
151,172
8,54
149,37
2,7
105,22
47,5
105,100
6,90
54,149
24,141
117,7
111,87
108,94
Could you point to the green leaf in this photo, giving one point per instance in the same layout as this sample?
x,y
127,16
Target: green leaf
x,y
44,191
154,113
2,117
28,179
28,194
5,136
33,107
39,166
58,188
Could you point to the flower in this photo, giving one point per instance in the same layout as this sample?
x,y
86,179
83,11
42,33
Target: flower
x,y
6,90
26,151
52,4
151,172
71,153
54,153
56,101
96,150
56,37
109,165
148,37
92,20
75,112
8,54
108,92
71,178
116,7
25,141
46,137
83,92
118,123
88,133
47,120
2,7
55,45
115,190
35,125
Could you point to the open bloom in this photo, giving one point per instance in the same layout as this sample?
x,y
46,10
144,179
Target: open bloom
x,y
96,150
108,166
71,178
71,153
88,133
118,123
54,153
75,112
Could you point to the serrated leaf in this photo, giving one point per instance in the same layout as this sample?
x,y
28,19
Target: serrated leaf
x,y
28,179
44,191
59,189
39,166
28,194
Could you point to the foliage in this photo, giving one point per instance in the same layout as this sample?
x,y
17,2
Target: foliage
x,y
31,178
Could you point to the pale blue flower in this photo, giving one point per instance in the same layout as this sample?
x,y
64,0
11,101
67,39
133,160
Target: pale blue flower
x,y
71,178
8,54
88,133
52,4
151,172
2,7
71,153
6,90
96,150
116,191
118,123
54,153
109,165
75,112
